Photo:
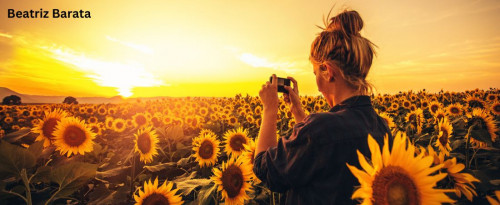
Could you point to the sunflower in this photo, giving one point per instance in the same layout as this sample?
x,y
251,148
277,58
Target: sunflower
x,y
46,127
203,111
291,123
413,107
249,152
109,123
413,98
416,119
398,177
140,120
235,139
483,120
463,181
35,121
474,102
406,104
248,155
258,110
206,132
424,104
92,120
233,180
119,125
82,110
146,141
439,115
95,128
388,119
394,106
8,120
157,195
89,110
434,106
495,108
102,110
112,111
195,122
492,200
232,120
454,110
491,97
206,149
156,120
443,139
73,136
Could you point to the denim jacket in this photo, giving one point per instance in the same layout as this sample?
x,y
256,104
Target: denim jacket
x,y
309,165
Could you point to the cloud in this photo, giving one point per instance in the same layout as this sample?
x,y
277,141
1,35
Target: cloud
x,y
259,62
5,35
122,76
141,48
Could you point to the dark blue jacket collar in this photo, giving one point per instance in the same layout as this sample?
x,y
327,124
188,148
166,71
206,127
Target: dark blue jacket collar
x,y
354,101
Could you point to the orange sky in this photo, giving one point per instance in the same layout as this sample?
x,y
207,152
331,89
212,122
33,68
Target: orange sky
x,y
221,48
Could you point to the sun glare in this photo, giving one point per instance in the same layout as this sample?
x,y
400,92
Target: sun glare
x,y
122,76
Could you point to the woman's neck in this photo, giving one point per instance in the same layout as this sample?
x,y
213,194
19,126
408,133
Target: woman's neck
x,y
341,95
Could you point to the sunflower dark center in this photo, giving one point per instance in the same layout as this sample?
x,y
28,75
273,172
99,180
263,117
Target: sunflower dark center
x,y
232,180
434,108
74,136
155,199
496,108
454,110
232,120
440,117
491,97
48,127
102,110
237,142
406,104
94,129
140,120
119,125
444,137
425,104
392,185
475,103
206,150
144,143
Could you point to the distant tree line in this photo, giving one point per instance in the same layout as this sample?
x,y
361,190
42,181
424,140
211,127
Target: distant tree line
x,y
16,100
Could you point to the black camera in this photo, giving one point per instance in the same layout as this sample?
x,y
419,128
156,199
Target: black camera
x,y
282,82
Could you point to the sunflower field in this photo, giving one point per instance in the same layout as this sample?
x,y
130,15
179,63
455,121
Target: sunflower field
x,y
200,150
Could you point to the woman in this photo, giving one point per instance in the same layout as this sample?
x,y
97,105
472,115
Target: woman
x,y
309,166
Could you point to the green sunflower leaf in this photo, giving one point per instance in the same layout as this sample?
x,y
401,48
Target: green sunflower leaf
x,y
71,177
14,159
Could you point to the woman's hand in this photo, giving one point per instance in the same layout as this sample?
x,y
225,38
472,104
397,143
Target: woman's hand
x,y
269,96
292,99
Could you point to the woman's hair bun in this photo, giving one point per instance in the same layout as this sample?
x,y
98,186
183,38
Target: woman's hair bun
x,y
348,22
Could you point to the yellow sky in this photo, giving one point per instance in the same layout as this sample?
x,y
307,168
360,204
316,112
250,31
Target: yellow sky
x,y
222,48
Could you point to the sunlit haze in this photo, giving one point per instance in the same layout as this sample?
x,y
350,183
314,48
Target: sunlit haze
x,y
222,48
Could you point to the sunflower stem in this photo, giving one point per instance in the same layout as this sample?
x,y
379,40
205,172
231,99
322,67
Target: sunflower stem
x,y
27,185
16,194
132,178
467,146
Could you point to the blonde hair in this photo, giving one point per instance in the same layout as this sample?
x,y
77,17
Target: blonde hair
x,y
341,44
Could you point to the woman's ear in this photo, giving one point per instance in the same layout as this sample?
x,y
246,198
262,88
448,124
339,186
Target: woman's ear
x,y
331,72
